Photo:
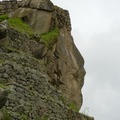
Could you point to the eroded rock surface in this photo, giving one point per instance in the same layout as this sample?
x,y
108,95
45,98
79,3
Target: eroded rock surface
x,y
31,95
43,19
64,62
44,80
45,5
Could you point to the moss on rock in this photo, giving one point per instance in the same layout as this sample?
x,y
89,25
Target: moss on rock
x,y
50,37
19,25
3,17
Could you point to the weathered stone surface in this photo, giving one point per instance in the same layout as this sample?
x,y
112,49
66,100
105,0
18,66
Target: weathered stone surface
x,y
86,117
32,95
66,63
8,6
67,68
42,21
45,5
62,18
3,97
38,20
44,83
3,31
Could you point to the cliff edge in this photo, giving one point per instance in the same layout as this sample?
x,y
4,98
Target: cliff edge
x,y
41,70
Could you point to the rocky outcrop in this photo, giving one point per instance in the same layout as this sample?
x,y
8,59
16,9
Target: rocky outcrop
x,y
43,71
43,16
64,62
45,5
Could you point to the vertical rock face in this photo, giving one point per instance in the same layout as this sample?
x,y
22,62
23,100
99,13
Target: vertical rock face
x,y
64,62
66,68
44,71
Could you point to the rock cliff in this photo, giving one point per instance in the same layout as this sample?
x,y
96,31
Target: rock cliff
x,y
41,70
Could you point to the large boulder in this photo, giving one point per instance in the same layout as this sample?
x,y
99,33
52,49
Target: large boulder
x,y
38,20
37,13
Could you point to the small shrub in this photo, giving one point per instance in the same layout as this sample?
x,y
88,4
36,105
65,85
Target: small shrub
x,y
3,17
50,37
19,25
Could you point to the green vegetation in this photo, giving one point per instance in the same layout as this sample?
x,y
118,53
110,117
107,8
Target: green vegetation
x,y
19,25
62,98
50,37
72,106
2,86
24,117
6,116
3,17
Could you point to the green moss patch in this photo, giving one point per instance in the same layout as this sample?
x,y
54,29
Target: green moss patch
x,y
19,25
50,37
3,17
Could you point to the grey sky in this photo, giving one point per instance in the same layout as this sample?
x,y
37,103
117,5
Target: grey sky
x,y
96,31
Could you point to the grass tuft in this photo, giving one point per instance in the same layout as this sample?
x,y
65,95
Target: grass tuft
x,y
19,25
50,37
3,17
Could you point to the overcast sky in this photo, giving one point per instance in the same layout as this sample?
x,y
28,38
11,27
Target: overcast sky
x,y
96,32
